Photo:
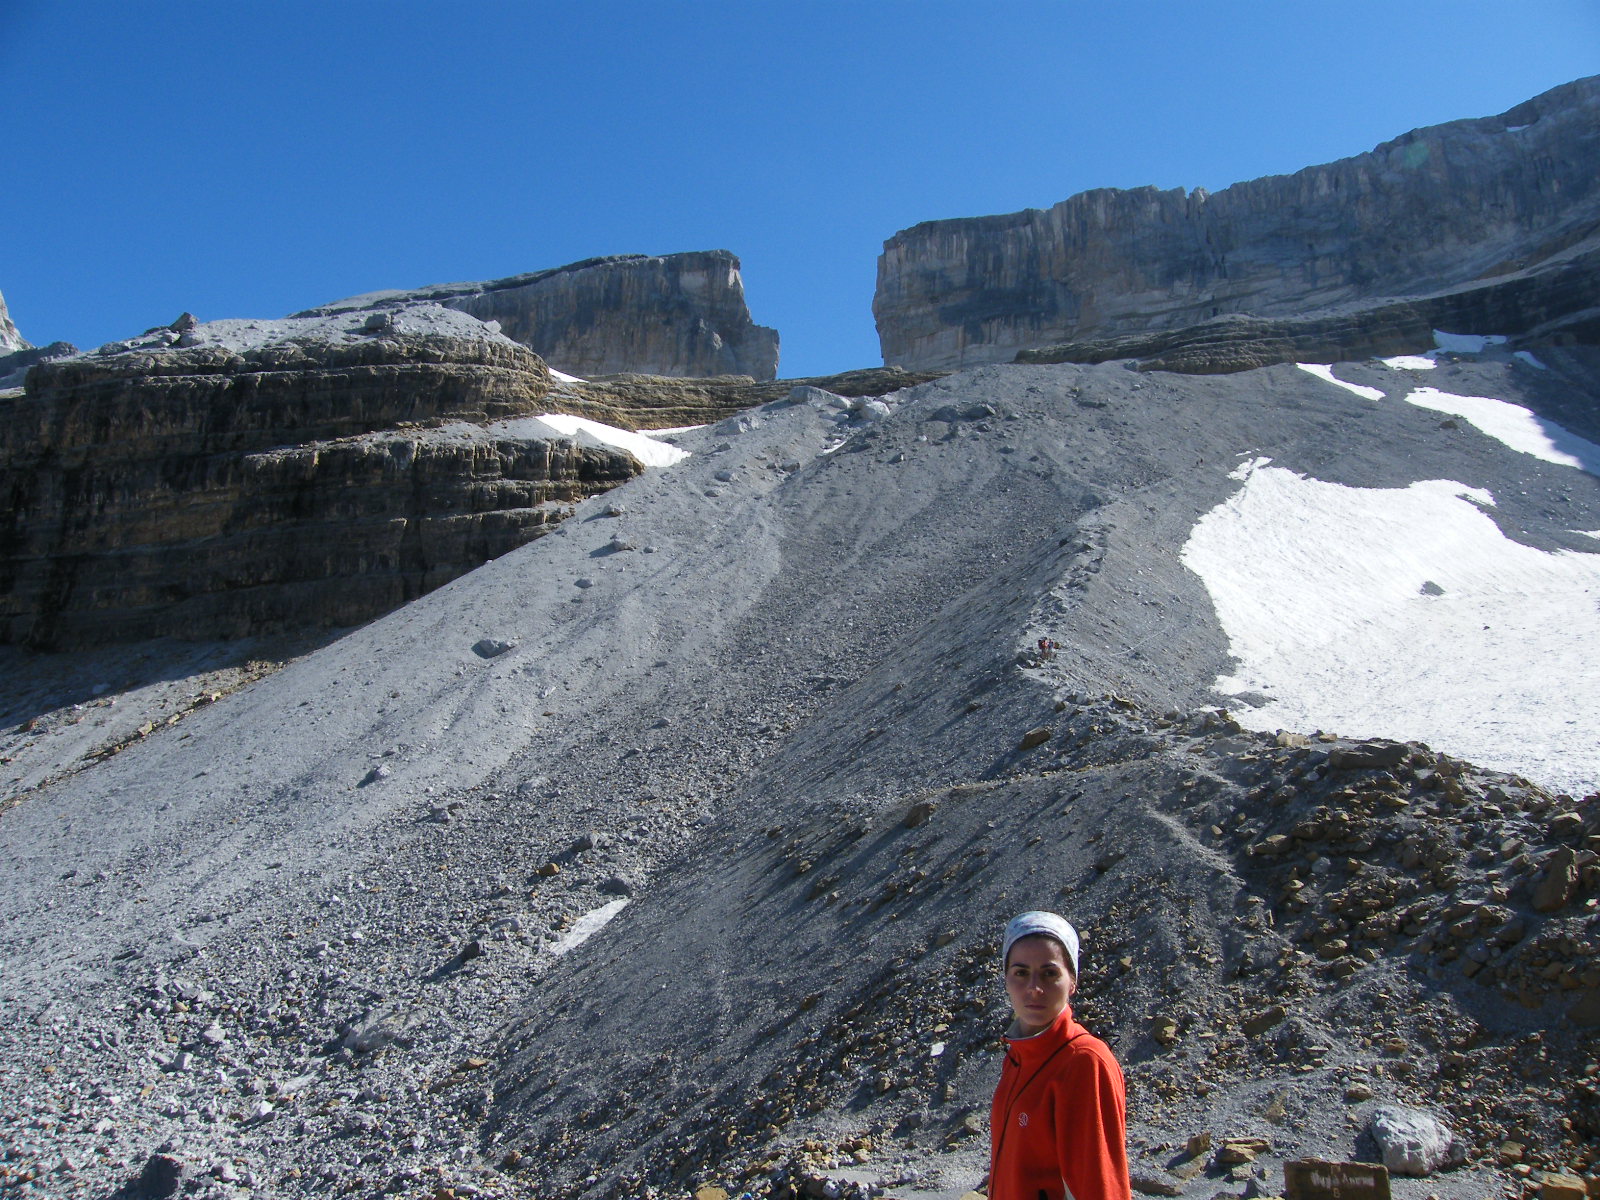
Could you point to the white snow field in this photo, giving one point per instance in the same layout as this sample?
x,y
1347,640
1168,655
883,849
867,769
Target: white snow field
x,y
1515,426
1405,613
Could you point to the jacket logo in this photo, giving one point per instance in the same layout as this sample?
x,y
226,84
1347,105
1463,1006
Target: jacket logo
x,y
1022,1119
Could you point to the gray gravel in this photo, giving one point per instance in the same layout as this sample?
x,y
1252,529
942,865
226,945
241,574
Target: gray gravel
x,y
304,938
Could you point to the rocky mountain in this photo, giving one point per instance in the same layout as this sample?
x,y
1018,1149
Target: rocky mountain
x,y
237,478
1489,224
244,477
667,854
674,315
670,852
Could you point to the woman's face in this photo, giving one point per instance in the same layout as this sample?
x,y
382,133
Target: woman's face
x,y
1038,982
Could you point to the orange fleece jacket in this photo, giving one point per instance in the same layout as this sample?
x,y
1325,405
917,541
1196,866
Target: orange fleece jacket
x,y
1059,1119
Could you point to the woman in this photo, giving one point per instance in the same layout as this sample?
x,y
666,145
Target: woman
x,y
1058,1124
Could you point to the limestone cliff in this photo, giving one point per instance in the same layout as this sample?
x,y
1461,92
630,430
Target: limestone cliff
x,y
1501,200
240,477
676,315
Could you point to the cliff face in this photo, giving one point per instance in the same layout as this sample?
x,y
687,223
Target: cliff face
x,y
1467,204
245,476
675,315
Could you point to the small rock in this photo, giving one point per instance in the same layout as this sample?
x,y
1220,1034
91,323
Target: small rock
x,y
379,322
185,323
381,771
213,1035
584,582
918,814
1562,1187
492,647
1154,1185
1164,1029
1369,754
1264,1020
1560,882
1356,1093
1036,737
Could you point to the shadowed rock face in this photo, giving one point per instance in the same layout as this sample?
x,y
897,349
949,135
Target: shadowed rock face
x,y
216,491
676,314
1470,205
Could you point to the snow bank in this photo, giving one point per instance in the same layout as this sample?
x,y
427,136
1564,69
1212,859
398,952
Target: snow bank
x,y
648,450
1409,362
1451,343
1325,371
1515,426
1407,614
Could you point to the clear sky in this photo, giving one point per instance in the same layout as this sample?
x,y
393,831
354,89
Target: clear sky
x,y
243,159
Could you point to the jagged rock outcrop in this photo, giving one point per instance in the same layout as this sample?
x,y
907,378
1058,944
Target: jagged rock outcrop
x,y
17,354
674,314
1504,210
249,476
10,339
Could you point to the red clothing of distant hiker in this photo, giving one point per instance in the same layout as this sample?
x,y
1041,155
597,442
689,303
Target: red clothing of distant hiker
x,y
1059,1118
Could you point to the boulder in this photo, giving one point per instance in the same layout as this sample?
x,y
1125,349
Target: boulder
x,y
1413,1141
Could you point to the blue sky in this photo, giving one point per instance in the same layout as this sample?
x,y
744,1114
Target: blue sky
x,y
234,158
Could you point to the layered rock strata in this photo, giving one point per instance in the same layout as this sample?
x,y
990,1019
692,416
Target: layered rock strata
x,y
257,476
676,314
657,402
1548,307
1503,201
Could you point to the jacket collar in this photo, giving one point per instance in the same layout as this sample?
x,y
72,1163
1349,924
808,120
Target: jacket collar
x,y
1044,1043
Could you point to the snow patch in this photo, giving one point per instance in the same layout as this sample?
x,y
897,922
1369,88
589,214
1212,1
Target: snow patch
x,y
1527,357
1248,468
1515,426
1406,613
650,451
586,926
1466,343
562,376
1450,343
1325,371
1409,362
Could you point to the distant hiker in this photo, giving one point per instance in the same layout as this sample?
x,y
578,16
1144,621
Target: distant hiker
x,y
1058,1125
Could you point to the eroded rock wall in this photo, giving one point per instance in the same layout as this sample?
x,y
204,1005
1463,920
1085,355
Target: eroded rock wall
x,y
1454,205
676,314
210,490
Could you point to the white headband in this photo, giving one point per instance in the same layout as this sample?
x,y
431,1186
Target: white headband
x,y
1026,924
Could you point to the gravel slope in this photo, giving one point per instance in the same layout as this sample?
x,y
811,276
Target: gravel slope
x,y
303,940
